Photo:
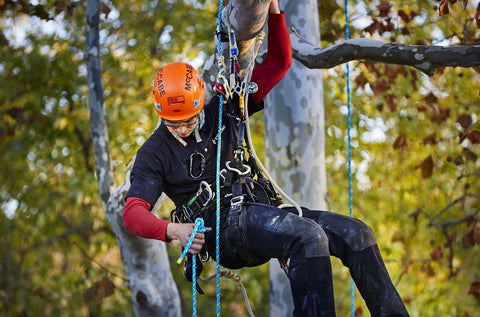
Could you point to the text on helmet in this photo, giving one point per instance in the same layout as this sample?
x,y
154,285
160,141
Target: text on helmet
x,y
188,78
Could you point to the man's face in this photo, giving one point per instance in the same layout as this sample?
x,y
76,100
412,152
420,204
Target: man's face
x,y
183,127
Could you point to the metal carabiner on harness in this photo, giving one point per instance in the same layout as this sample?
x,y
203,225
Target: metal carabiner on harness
x,y
205,186
236,170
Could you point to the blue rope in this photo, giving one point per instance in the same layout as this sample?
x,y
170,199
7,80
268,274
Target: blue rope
x,y
349,124
199,227
217,179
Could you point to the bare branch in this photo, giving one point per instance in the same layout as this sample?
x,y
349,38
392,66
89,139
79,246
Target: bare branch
x,y
85,143
468,175
98,263
450,205
444,224
425,58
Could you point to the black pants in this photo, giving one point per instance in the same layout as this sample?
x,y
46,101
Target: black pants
x,y
260,232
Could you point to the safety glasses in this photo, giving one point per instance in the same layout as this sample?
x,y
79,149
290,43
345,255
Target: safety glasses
x,y
189,123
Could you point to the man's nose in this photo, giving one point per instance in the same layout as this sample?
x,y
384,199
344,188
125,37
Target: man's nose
x,y
182,129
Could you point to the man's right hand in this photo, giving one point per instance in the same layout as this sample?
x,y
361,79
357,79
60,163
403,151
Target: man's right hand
x,y
182,233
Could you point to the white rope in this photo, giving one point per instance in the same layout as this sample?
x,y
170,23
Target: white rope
x,y
249,139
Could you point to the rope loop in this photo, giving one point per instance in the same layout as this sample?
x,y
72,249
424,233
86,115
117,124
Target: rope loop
x,y
198,227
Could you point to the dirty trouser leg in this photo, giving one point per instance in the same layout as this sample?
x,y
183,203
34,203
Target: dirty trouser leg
x,y
353,242
276,233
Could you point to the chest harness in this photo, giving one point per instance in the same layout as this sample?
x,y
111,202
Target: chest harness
x,y
241,180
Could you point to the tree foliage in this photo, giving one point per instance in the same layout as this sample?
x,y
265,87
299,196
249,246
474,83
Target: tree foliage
x,y
415,150
415,157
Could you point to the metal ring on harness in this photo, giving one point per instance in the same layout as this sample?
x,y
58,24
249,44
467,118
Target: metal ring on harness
x,y
206,187
239,172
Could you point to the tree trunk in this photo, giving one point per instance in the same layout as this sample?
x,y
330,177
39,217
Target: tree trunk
x,y
146,263
294,145
98,122
154,292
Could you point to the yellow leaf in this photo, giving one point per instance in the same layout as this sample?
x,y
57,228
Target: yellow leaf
x,y
60,124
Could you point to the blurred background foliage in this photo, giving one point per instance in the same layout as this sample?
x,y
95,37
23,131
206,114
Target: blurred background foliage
x,y
415,152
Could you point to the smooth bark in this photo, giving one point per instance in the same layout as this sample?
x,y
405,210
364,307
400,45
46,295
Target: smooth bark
x,y
425,58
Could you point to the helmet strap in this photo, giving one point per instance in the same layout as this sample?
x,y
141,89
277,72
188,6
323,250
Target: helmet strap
x,y
197,135
201,118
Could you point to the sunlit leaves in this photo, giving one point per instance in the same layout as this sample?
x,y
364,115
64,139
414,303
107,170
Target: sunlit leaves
x,y
428,164
443,9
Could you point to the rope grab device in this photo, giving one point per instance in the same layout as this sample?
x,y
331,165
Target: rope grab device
x,y
234,87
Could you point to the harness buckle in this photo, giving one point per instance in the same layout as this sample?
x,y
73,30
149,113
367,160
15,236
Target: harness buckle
x,y
236,202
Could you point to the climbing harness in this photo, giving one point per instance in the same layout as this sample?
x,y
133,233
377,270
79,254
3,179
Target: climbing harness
x,y
195,206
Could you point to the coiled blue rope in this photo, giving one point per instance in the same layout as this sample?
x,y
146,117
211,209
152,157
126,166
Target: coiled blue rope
x,y
349,124
217,178
199,227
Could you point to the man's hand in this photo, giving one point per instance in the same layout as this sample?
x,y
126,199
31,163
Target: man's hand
x,y
274,7
182,232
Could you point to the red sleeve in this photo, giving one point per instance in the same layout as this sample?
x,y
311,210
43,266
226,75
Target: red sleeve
x,y
279,57
139,220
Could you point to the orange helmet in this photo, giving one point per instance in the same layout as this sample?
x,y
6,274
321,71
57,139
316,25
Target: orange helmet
x,y
178,92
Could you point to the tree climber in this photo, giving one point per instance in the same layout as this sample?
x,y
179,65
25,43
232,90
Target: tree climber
x,y
179,159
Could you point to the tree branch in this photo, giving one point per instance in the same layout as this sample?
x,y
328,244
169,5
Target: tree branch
x,y
450,205
425,58
85,147
247,18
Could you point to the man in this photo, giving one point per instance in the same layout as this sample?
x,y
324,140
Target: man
x,y
180,157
